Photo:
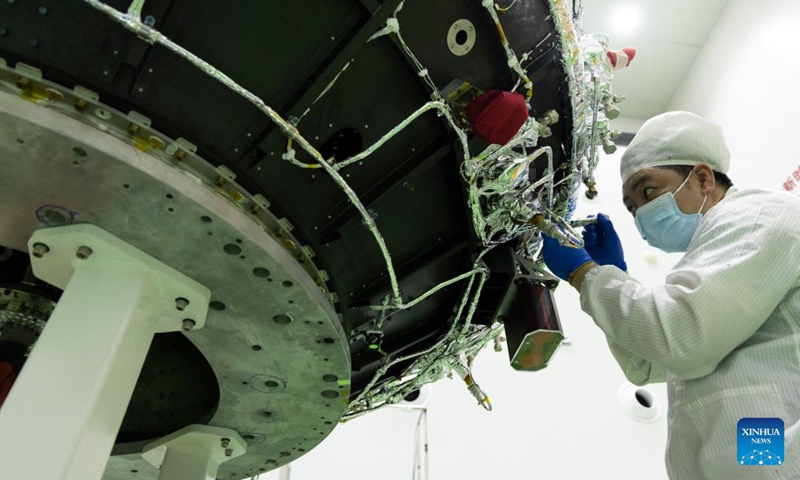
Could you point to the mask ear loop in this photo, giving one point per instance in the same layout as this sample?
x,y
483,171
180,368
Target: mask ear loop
x,y
684,183
703,204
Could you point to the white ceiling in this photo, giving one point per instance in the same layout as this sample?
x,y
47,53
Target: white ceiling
x,y
667,38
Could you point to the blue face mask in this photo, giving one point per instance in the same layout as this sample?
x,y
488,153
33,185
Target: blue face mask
x,y
665,226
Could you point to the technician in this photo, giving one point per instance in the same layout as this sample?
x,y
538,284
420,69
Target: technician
x,y
724,330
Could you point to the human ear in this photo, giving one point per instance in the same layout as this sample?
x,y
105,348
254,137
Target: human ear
x,y
705,177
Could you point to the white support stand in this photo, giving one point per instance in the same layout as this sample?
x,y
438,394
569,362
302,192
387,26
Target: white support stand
x,y
194,453
62,416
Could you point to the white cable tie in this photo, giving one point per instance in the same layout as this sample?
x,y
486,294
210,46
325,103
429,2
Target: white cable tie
x,y
289,155
423,72
392,26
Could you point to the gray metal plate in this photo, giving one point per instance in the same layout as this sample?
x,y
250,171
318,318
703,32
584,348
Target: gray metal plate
x,y
277,347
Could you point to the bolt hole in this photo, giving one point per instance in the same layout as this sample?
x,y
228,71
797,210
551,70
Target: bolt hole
x,y
287,284
170,210
54,217
21,141
271,384
125,185
206,219
215,305
282,319
267,414
330,394
102,113
238,240
461,37
79,152
256,348
261,272
232,249
169,196
328,340
249,437
330,378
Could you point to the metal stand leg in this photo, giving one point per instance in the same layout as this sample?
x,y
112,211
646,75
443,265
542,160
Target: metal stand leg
x,y
63,414
194,453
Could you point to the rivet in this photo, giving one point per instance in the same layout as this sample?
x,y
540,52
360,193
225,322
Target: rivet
x,y
83,252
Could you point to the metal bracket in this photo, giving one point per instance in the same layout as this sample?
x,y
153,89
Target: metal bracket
x,y
194,453
80,376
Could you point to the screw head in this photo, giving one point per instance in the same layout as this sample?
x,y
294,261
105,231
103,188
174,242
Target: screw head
x,y
188,325
149,20
34,42
83,252
40,250
42,10
181,304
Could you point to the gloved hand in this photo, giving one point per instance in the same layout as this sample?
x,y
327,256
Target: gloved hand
x,y
602,243
561,260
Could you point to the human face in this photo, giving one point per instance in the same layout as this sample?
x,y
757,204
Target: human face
x,y
649,184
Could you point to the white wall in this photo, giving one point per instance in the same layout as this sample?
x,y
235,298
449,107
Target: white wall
x,y
563,423
745,79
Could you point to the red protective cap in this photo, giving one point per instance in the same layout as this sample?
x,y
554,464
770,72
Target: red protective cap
x,y
7,378
630,52
496,116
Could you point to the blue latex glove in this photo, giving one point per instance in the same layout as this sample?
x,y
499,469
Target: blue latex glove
x,y
561,260
602,243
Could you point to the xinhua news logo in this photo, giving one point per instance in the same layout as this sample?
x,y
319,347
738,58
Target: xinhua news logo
x,y
760,442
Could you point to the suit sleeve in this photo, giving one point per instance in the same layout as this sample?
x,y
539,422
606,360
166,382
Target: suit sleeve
x,y
744,261
637,370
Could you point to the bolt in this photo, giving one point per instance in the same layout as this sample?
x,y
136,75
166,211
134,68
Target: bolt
x,y
40,249
226,442
188,325
42,10
34,42
83,252
228,452
181,303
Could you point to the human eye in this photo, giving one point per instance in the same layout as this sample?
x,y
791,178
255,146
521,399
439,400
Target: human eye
x,y
647,191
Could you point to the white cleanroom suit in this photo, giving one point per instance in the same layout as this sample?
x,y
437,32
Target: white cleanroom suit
x,y
723,331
